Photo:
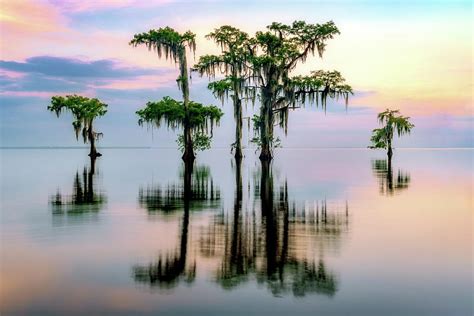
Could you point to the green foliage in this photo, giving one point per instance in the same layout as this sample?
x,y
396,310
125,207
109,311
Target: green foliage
x,y
201,142
166,41
273,54
275,142
379,138
257,66
257,121
167,109
210,64
317,87
199,118
228,37
282,46
232,62
221,88
277,51
392,121
84,110
396,122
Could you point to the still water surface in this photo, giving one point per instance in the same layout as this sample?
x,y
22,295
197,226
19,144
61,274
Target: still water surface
x,y
320,231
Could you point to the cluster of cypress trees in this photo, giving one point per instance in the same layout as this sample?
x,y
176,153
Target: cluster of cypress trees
x,y
250,68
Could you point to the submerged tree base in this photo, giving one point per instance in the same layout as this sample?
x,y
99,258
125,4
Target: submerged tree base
x,y
188,157
265,155
238,154
94,155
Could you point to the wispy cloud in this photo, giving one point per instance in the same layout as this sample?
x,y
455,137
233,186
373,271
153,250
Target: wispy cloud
x,y
74,68
81,5
30,16
42,75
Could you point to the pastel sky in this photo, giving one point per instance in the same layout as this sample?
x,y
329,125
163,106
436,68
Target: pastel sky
x,y
415,56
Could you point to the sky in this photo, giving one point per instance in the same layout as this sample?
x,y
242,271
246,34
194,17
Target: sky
x,y
415,56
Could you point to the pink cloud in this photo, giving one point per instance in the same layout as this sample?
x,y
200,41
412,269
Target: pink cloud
x,y
30,16
25,23
11,74
81,5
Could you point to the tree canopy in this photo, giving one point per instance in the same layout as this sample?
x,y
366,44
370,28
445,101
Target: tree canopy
x,y
83,109
198,118
166,41
201,118
260,67
392,121
275,53
232,63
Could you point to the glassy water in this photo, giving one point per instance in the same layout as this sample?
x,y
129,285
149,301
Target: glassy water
x,y
321,231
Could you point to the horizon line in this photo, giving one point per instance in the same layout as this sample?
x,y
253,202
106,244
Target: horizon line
x,y
219,147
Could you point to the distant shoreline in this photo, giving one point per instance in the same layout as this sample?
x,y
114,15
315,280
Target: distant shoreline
x,y
215,148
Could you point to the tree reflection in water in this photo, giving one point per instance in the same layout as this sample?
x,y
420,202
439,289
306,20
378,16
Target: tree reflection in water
x,y
273,249
388,185
267,238
196,188
85,198
196,192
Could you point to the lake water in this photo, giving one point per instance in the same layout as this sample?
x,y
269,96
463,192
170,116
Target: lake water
x,y
319,231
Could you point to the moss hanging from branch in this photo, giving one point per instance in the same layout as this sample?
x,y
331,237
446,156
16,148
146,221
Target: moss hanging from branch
x,y
166,42
232,63
392,122
315,89
198,118
273,54
84,111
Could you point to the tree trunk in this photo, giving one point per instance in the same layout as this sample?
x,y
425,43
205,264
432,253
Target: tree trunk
x,y
389,173
265,153
238,126
237,116
266,125
266,187
93,151
389,129
188,155
238,182
184,83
